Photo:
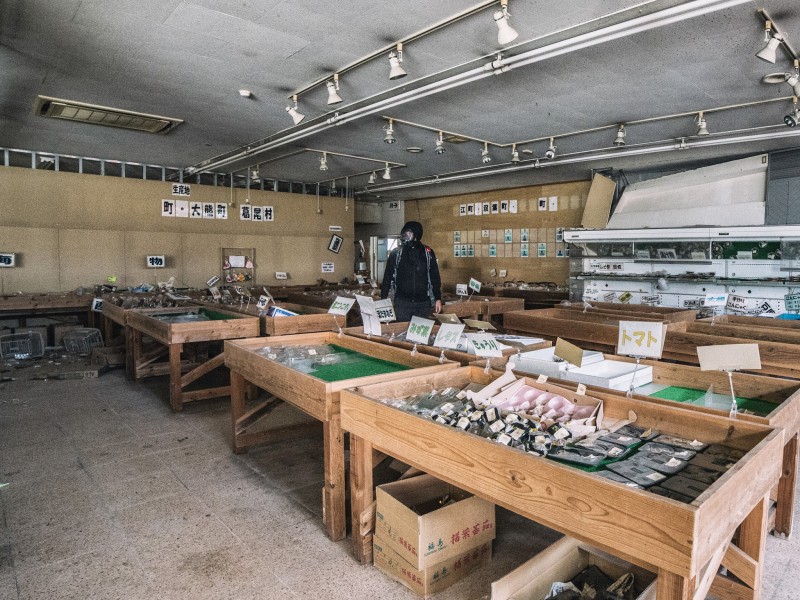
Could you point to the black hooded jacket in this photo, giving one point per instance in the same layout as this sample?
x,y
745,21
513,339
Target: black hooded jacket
x,y
412,270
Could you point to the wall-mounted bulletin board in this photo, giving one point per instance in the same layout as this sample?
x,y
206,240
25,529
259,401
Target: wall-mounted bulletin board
x,y
519,230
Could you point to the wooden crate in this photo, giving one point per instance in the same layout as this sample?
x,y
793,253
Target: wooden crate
x,y
684,543
316,398
171,340
463,358
632,312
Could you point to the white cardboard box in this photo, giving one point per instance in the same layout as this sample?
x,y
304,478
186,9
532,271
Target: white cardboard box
x,y
561,562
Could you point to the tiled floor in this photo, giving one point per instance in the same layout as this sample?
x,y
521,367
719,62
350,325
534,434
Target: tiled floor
x,y
110,495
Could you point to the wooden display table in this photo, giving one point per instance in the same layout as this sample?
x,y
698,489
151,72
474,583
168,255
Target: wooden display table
x,y
310,319
313,396
600,332
782,394
684,543
633,312
490,308
172,338
753,328
463,358
25,305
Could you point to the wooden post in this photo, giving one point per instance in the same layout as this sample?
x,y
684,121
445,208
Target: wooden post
x,y
752,540
361,496
670,586
136,352
239,386
175,399
333,495
784,510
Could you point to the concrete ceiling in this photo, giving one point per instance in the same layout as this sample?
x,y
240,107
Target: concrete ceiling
x,y
188,59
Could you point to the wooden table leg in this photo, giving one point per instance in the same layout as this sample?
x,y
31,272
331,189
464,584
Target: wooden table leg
x,y
175,399
784,510
108,328
753,540
670,586
333,494
361,497
239,387
136,352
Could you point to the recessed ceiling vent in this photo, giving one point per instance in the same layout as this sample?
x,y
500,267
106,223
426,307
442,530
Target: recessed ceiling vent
x,y
70,110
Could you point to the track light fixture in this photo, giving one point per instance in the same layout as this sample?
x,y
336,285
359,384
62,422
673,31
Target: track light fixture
x,y
333,88
387,172
551,151
485,158
395,58
389,137
297,117
514,154
323,162
793,118
620,141
333,189
702,128
536,165
793,79
505,33
770,51
373,176
683,145
440,149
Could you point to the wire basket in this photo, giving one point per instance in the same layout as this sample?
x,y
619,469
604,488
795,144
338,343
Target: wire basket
x,y
81,341
22,345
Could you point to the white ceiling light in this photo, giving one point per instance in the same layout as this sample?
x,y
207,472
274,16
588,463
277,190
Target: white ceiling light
x,y
551,151
440,149
297,117
389,137
770,51
505,33
395,58
387,172
485,158
323,162
620,141
333,88
702,128
514,154
373,176
333,186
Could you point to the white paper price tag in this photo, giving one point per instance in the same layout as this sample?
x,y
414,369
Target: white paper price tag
x,y
641,338
341,306
372,325
262,302
419,330
474,285
541,379
213,281
581,391
448,335
462,289
385,311
715,300
484,344
736,303
97,305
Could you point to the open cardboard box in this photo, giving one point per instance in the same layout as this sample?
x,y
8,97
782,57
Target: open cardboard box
x,y
561,562
425,540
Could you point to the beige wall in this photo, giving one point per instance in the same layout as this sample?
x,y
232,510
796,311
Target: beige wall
x,y
72,230
440,219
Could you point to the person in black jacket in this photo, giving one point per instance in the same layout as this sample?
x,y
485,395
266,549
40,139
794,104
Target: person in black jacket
x,y
412,276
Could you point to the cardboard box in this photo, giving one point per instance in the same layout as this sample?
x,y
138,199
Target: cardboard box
x,y
561,562
429,539
108,357
435,578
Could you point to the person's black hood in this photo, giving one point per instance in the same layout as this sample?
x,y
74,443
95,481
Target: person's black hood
x,y
415,227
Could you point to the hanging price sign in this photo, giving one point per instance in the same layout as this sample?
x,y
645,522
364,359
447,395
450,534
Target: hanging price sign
x,y
385,311
484,344
448,335
641,338
419,330
341,306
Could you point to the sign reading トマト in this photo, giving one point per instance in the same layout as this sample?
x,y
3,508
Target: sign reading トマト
x,y
641,338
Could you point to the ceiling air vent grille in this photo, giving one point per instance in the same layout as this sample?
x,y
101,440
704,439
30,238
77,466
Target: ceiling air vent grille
x,y
69,110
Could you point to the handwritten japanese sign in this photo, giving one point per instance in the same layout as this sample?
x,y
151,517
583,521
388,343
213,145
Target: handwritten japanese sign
x,y
262,302
419,330
385,310
448,335
462,289
736,303
715,300
341,306
641,338
7,259
474,284
484,344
